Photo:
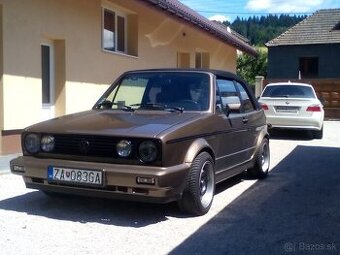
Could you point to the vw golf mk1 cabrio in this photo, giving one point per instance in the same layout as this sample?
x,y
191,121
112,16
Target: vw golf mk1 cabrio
x,y
155,135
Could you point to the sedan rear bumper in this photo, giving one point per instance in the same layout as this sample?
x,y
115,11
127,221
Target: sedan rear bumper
x,y
296,122
119,181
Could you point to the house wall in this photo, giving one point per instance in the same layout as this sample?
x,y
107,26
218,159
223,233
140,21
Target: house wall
x,y
82,70
283,61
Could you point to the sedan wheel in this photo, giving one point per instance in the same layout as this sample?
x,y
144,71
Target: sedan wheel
x,y
200,186
318,134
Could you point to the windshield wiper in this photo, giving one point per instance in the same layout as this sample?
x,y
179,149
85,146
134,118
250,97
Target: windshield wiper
x,y
106,104
150,105
160,106
175,108
126,108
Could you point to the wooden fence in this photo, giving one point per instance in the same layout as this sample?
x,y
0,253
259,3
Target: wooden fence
x,y
328,90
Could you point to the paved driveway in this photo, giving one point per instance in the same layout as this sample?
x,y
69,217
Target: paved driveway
x,y
294,211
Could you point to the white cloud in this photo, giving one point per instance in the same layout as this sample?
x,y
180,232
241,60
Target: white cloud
x,y
219,18
279,6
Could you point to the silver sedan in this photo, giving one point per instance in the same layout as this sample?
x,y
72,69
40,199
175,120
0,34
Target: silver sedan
x,y
291,105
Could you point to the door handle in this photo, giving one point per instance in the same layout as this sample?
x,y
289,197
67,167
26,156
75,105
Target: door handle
x,y
245,120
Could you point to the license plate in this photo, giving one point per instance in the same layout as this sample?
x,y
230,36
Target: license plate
x,y
291,109
75,176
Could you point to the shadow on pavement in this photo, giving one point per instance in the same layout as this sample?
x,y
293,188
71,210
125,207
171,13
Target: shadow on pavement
x,y
296,210
104,211
85,209
295,135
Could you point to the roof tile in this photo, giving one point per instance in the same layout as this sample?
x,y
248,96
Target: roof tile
x,y
315,29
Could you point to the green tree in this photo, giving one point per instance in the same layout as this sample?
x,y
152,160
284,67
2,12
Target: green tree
x,y
260,30
248,67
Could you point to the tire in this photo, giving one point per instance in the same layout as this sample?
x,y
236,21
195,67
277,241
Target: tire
x,y
318,134
199,191
262,160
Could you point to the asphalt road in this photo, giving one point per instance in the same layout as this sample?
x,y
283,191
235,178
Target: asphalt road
x,y
296,210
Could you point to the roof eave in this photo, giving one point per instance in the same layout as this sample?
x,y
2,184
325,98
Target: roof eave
x,y
204,26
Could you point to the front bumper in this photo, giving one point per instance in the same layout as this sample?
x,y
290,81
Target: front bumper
x,y
120,181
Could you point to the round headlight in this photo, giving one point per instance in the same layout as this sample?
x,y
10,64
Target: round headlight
x,y
47,143
147,151
32,143
124,148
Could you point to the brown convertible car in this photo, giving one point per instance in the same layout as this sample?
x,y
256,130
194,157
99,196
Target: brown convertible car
x,y
155,135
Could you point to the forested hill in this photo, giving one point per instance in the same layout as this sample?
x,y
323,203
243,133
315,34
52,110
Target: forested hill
x,y
260,30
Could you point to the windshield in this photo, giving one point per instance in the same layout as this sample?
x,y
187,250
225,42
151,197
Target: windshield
x,y
188,91
288,91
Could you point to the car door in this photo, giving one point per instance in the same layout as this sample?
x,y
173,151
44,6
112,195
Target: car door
x,y
231,142
251,117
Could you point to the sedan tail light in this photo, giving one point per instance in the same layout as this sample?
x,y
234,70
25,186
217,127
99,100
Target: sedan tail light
x,y
264,107
314,108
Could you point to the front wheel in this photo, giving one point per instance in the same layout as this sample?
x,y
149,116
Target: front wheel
x,y
262,159
199,191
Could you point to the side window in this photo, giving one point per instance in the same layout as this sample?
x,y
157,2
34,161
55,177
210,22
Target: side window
x,y
227,95
247,104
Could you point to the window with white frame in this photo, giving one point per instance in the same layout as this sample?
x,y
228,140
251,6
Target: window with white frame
x,y
114,31
202,60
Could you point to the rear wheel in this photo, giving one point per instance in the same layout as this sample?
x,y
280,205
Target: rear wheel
x,y
318,134
262,159
199,191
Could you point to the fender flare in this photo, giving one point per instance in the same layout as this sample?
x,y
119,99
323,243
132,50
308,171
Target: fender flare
x,y
196,147
263,134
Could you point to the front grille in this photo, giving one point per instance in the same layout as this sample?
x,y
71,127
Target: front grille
x,y
96,146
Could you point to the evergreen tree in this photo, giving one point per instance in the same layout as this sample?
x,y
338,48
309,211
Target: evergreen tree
x,y
260,30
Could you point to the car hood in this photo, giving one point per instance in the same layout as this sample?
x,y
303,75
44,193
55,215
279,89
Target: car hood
x,y
114,123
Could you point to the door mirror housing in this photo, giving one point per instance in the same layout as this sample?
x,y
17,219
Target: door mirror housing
x,y
232,104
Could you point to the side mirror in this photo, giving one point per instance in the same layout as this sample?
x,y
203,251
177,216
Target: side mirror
x,y
233,103
234,107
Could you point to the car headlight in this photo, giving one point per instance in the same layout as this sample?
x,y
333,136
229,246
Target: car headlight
x,y
124,148
47,143
147,151
32,143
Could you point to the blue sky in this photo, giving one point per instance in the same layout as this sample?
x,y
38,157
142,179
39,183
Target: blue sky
x,y
230,9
